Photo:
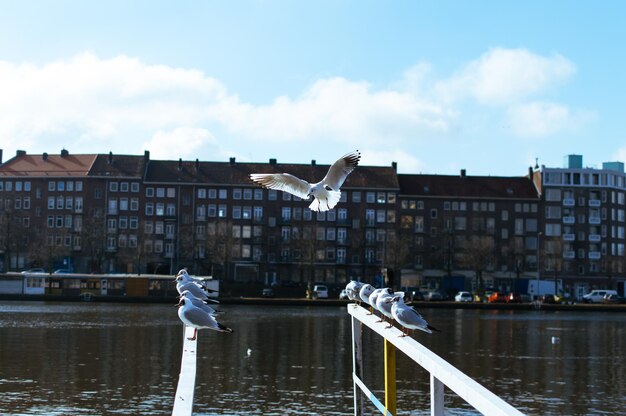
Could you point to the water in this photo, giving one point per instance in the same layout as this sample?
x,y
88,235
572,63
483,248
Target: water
x,y
92,359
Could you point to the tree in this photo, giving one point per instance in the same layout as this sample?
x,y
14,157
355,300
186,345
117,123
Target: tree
x,y
553,258
478,256
93,238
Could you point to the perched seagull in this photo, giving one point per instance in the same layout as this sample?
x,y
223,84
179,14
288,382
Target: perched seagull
x,y
325,193
196,290
365,293
198,319
186,278
385,307
373,297
198,303
408,317
352,290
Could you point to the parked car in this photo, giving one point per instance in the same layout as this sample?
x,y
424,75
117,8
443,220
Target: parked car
x,y
434,295
267,293
320,292
463,297
497,297
613,298
35,270
549,299
513,298
595,296
63,271
343,294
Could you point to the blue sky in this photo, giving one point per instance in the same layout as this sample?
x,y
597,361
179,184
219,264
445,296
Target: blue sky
x,y
486,86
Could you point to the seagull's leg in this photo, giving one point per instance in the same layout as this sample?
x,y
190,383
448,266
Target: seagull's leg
x,y
371,312
195,333
389,324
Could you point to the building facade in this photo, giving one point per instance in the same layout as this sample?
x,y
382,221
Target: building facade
x,y
109,213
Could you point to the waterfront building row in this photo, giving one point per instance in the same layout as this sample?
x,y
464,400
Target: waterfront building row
x,y
108,213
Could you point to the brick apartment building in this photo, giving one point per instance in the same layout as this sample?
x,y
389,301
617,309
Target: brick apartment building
x,y
110,213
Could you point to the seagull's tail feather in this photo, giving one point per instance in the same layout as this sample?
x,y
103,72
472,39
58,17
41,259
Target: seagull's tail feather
x,y
224,328
315,205
333,198
432,328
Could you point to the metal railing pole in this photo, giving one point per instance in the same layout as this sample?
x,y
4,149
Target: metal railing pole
x,y
390,377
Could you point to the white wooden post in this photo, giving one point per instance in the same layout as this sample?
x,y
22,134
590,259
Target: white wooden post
x,y
436,396
183,402
357,365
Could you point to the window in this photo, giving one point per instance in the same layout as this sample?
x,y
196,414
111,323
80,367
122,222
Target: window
x,y
134,187
356,196
124,187
171,192
150,208
223,194
123,204
51,186
258,194
370,197
149,192
113,186
112,206
237,193
221,211
212,193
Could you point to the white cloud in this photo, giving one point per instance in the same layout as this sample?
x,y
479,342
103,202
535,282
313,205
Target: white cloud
x,y
540,119
92,104
182,142
334,108
504,76
407,163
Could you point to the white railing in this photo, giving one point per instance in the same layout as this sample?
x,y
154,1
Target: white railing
x,y
183,402
441,372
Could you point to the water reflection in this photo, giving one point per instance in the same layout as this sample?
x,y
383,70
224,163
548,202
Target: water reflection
x,y
81,358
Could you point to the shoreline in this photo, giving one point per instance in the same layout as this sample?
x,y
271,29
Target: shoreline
x,y
321,302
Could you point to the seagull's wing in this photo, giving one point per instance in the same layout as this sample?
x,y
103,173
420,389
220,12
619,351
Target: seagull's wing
x,y
340,170
198,318
283,182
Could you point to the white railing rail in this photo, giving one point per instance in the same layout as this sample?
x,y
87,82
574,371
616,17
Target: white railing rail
x,y
183,402
441,372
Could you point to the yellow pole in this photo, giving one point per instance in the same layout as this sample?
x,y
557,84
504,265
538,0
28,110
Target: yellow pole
x,y
390,378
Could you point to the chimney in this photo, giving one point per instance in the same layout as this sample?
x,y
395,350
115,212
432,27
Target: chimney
x,y
462,173
197,165
313,163
110,157
20,153
180,165
64,153
0,156
272,161
394,165
44,156
530,173
232,161
146,155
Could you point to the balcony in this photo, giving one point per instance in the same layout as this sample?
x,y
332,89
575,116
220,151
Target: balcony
x,y
594,202
594,238
594,255
569,220
595,220
569,202
569,237
569,255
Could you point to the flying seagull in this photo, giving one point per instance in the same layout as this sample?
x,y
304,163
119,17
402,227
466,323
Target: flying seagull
x,y
325,193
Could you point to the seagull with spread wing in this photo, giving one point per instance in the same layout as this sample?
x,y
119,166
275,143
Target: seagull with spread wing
x,y
325,193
